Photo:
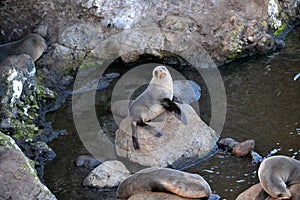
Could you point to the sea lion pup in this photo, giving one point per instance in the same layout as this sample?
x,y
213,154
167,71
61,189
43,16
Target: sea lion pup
x,y
156,99
276,173
32,44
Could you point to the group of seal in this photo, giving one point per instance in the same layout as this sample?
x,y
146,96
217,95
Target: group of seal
x,y
32,44
156,99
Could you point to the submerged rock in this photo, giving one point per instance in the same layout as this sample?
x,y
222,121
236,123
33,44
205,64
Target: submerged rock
x,y
166,180
243,148
186,91
180,146
238,149
226,144
87,161
107,175
18,179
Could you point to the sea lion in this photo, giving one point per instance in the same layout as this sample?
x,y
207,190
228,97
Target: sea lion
x,y
32,44
276,173
167,180
157,98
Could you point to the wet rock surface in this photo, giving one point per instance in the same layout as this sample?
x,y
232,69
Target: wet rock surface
x,y
107,175
180,146
238,149
17,174
166,180
87,161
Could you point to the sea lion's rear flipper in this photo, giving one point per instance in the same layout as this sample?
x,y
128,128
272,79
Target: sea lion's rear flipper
x,y
172,107
135,142
152,129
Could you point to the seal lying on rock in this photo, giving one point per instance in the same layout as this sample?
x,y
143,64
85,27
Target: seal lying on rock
x,y
32,44
164,180
156,99
276,173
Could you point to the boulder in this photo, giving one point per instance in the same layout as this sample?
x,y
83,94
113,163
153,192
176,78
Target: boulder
x,y
21,97
238,149
107,175
166,180
180,146
256,192
87,161
18,179
251,193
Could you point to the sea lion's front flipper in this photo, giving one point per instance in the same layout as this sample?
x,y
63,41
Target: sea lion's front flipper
x,y
152,129
135,142
172,107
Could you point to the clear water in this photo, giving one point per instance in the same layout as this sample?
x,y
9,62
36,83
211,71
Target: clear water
x,y
262,104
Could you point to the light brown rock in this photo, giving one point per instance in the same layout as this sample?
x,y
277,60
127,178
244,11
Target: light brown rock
x,y
107,175
243,148
256,192
155,196
191,142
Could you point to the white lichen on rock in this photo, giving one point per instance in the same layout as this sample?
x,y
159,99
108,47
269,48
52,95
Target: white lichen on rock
x,y
120,14
273,11
17,85
8,142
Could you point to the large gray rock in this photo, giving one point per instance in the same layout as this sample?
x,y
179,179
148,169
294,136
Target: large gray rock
x,y
20,97
181,145
107,175
18,179
243,26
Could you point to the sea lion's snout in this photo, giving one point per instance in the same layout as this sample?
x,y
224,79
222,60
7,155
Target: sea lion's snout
x,y
160,72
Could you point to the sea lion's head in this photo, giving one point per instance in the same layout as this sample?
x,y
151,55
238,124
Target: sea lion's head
x,y
162,77
160,72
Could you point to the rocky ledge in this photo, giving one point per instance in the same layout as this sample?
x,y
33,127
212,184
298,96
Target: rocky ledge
x,y
225,28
